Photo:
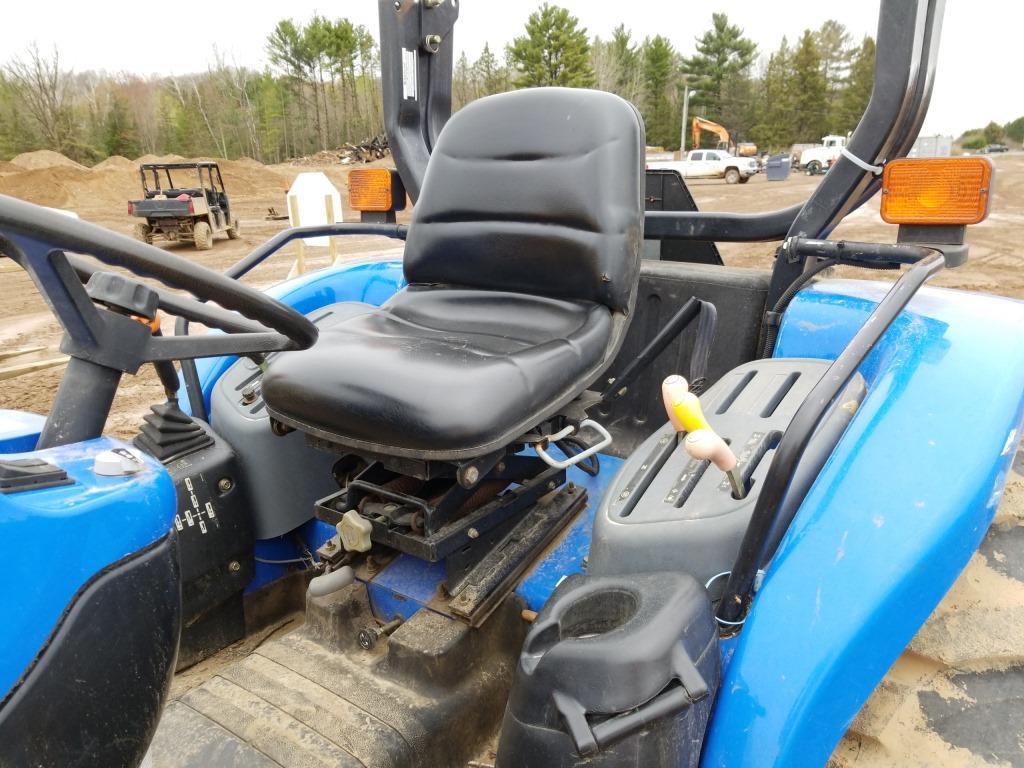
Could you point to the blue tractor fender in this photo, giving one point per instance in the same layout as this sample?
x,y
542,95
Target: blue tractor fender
x,y
893,518
55,541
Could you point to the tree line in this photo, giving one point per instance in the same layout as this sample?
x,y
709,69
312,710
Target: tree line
x,y
800,92
321,89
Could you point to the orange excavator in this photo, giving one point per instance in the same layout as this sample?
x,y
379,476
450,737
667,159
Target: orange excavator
x,y
742,149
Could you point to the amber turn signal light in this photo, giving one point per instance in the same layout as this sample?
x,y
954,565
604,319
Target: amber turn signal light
x,y
937,191
373,189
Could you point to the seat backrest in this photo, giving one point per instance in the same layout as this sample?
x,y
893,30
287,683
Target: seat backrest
x,y
535,191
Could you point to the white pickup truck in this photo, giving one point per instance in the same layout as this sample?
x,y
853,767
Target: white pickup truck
x,y
711,164
816,159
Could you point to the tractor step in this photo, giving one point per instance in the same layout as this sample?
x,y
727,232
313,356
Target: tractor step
x,y
431,694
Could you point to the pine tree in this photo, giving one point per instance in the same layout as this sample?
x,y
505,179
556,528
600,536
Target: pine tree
x,y
855,96
810,92
554,50
773,129
628,56
463,83
722,54
833,43
660,81
119,133
491,76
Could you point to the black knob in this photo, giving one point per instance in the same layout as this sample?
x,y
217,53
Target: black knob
x,y
122,294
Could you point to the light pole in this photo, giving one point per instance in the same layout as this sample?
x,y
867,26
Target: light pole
x,y
687,93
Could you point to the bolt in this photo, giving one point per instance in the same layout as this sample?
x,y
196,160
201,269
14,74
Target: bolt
x,y
398,5
368,637
473,533
234,566
501,466
250,394
432,3
471,475
624,495
552,485
225,484
571,488
432,43
329,544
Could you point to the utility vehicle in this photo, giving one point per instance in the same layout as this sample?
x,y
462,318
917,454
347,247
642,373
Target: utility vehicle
x,y
183,201
508,520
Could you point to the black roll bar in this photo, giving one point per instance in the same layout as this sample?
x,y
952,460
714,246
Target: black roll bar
x,y
416,57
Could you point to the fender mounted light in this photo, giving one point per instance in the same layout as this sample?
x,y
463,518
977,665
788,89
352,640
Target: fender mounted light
x,y
375,190
937,191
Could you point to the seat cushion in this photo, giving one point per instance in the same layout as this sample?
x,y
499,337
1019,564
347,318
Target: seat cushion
x,y
439,373
537,191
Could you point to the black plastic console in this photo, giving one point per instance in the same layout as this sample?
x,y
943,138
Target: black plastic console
x,y
666,511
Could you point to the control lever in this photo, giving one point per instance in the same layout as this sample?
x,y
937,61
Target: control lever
x,y
682,406
702,442
706,445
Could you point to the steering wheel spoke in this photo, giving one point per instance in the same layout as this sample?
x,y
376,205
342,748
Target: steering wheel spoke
x,y
107,342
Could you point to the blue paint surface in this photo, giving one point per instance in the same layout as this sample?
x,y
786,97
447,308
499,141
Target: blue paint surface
x,y
405,586
893,518
19,431
369,282
567,557
291,549
53,540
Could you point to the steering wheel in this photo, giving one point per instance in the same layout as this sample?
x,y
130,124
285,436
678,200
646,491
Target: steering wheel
x,y
103,335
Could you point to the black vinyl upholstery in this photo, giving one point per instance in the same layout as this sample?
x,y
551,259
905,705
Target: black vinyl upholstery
x,y
523,258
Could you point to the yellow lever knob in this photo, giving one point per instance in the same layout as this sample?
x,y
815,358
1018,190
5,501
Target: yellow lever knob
x,y
682,406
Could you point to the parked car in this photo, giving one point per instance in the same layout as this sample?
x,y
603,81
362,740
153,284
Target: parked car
x,y
991,149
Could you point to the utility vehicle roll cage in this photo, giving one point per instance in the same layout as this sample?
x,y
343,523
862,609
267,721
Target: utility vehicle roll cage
x,y
417,50
151,171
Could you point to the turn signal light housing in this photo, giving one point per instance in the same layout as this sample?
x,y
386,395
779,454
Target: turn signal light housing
x,y
937,191
375,190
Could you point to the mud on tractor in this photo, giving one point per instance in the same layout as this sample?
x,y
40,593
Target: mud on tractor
x,y
544,494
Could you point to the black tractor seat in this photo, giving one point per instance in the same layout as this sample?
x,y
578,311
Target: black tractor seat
x,y
522,260
442,370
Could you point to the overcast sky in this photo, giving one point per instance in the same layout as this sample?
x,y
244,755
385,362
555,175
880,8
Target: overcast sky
x,y
980,76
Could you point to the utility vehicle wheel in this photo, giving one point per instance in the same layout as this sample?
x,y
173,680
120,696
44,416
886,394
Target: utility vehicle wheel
x,y
744,179
956,695
233,230
813,168
202,236
732,176
143,232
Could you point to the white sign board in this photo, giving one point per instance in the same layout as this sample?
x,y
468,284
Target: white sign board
x,y
310,190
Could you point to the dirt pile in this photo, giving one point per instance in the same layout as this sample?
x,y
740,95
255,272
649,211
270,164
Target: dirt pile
x,y
116,162
6,167
159,159
72,187
43,158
